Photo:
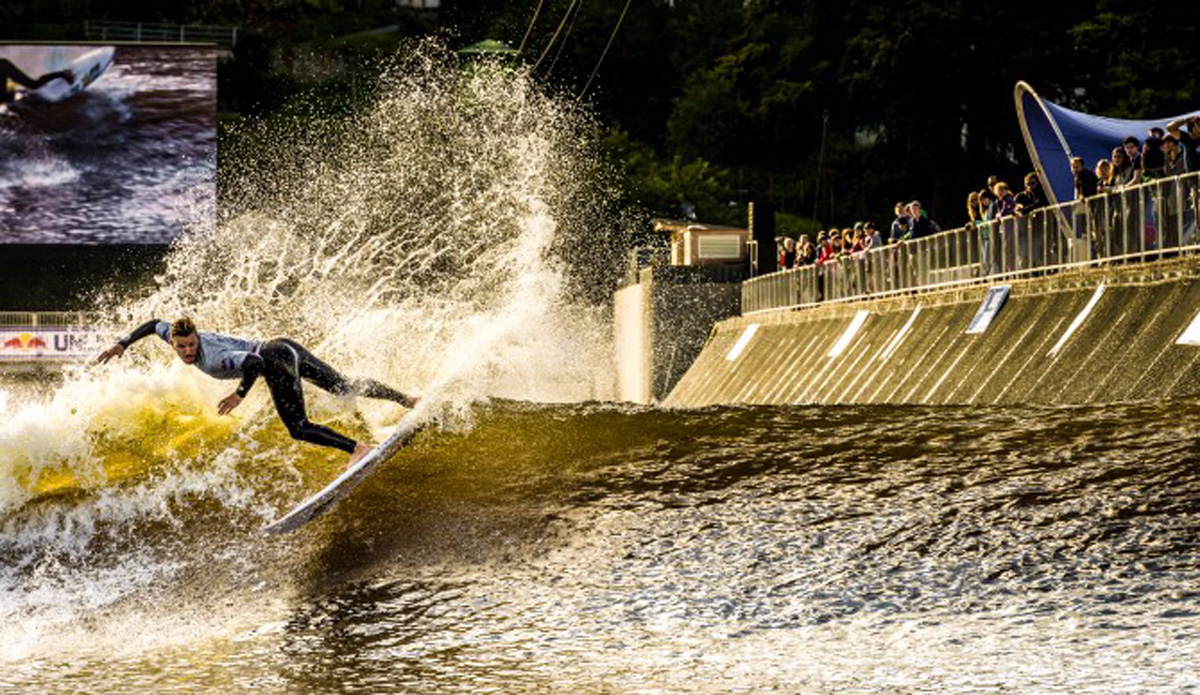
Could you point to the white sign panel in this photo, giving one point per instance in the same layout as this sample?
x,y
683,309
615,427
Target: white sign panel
x,y
992,304
48,344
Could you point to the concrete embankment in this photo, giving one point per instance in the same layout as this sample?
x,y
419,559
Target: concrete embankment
x,y
1091,336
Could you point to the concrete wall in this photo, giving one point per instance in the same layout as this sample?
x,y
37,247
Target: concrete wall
x,y
660,324
631,343
913,349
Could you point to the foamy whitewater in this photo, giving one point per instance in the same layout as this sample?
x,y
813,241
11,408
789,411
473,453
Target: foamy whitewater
x,y
418,240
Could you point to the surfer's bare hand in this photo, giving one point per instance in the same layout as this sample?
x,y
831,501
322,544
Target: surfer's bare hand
x,y
228,403
114,351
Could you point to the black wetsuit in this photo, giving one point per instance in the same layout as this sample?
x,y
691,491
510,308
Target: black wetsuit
x,y
283,363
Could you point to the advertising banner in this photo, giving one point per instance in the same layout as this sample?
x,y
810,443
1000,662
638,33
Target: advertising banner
x,y
50,344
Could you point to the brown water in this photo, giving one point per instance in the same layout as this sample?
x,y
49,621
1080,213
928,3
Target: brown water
x,y
434,239
593,548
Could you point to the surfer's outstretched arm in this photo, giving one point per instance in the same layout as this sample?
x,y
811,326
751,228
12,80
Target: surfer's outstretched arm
x,y
118,349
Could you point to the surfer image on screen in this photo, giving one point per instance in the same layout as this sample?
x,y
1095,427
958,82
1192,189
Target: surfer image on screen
x,y
9,71
282,362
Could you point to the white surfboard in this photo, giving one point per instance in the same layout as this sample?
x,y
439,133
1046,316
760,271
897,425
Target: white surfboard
x,y
324,500
84,71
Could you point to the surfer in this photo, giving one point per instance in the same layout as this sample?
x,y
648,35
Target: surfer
x,y
282,362
9,71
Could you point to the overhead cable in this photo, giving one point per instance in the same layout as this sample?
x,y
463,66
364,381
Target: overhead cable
x,y
605,52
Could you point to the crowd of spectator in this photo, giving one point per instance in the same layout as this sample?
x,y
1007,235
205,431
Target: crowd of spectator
x,y
832,244
1164,153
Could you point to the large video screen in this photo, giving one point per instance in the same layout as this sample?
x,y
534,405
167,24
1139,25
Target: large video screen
x,y
106,144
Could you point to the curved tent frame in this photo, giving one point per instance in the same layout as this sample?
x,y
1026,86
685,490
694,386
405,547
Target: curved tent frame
x,y
1054,134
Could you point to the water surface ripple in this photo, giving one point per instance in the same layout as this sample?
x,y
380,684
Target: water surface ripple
x,y
595,548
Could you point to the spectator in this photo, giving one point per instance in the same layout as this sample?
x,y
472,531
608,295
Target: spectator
x,y
835,245
987,256
847,241
1105,182
1005,204
1133,148
806,254
787,256
1086,185
1175,158
973,216
1190,139
1032,197
922,225
1153,159
901,226
1184,137
986,198
1085,180
830,248
1123,172
856,238
872,234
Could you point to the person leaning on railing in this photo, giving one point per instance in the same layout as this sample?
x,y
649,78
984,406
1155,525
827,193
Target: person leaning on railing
x,y
806,253
1153,159
1189,140
1189,146
1005,203
1033,227
1086,185
901,226
973,218
1031,197
1175,157
1105,182
848,240
1086,181
787,254
1124,173
829,247
873,234
1133,148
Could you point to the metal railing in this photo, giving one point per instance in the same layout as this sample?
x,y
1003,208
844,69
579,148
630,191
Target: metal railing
x,y
225,37
47,319
1147,222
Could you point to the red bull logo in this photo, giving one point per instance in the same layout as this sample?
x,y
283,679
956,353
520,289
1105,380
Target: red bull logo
x,y
24,341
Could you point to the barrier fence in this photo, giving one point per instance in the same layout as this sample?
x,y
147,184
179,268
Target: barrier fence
x,y
1146,222
49,337
99,30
